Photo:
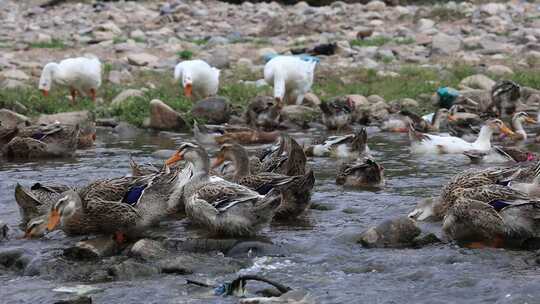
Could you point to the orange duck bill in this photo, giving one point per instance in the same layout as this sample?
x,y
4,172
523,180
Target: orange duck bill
x,y
54,220
218,161
188,90
176,157
504,129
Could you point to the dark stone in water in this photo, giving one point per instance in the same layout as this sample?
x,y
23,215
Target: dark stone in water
x,y
4,229
213,110
177,265
79,300
203,245
15,258
394,233
321,207
148,250
255,248
91,249
129,270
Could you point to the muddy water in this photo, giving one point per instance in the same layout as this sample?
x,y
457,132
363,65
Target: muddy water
x,y
322,256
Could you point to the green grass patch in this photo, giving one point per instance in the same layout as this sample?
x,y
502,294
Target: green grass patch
x,y
185,54
54,44
372,41
117,40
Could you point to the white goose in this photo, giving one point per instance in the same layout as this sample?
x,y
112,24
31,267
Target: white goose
x,y
81,74
198,78
428,143
290,76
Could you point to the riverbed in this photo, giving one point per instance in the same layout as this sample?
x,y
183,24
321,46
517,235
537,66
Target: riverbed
x,y
321,257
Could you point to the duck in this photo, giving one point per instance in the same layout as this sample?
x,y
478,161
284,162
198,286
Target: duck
x,y
123,206
291,78
198,78
505,95
346,146
477,224
37,200
338,113
224,208
43,141
485,185
287,158
422,125
81,74
517,124
422,143
263,112
363,173
464,124
295,198
500,154
36,227
220,134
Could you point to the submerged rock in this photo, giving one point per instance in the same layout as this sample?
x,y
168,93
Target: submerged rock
x,y
291,297
212,110
255,248
92,249
393,233
129,270
79,300
15,259
148,250
4,229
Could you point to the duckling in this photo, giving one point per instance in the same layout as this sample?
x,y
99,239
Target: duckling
x,y
345,146
222,207
480,224
295,196
337,114
366,173
263,113
44,141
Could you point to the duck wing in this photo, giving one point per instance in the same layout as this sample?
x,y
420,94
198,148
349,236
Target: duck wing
x,y
223,195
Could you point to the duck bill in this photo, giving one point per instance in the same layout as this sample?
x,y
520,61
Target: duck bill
x,y
188,90
45,93
452,118
54,219
218,161
174,159
505,130
530,120
27,235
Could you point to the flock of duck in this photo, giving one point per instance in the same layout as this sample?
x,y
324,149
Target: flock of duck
x,y
239,193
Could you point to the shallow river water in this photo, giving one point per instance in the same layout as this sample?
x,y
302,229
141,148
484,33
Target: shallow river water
x,y
322,256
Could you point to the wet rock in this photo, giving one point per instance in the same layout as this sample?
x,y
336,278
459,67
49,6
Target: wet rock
x,y
79,300
4,229
500,70
291,297
80,290
92,249
444,44
11,119
203,245
15,259
179,265
299,115
393,233
310,99
424,240
212,110
163,117
125,95
255,248
148,250
106,122
126,130
478,81
129,270
82,118
142,59
15,74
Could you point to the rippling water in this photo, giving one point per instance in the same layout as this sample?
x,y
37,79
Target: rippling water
x,y
323,259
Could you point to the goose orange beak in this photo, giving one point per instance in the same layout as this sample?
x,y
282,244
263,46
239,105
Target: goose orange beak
x,y
452,118
54,219
530,120
45,93
219,160
504,129
174,159
188,90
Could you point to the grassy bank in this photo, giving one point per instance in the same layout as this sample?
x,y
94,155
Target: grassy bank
x,y
413,82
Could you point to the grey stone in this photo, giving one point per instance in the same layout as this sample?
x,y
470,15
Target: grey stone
x,y
500,70
92,249
213,110
478,81
142,59
11,119
129,270
15,74
148,250
4,229
299,115
126,95
444,44
82,118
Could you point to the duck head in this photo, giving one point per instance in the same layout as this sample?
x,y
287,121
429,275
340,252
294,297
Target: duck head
x,y
36,228
63,209
235,153
47,76
497,124
523,117
359,142
187,83
192,153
